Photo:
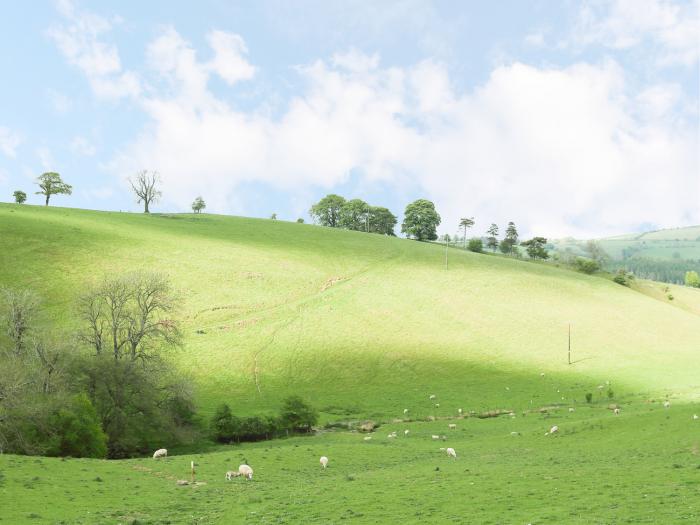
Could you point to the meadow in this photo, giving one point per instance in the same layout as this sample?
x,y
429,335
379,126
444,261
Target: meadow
x,y
364,326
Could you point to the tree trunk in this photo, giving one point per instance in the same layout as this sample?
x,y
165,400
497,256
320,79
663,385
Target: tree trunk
x,y
145,206
48,195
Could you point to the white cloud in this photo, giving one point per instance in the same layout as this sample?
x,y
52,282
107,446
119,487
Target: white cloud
x,y
9,142
79,41
560,151
672,27
82,146
229,62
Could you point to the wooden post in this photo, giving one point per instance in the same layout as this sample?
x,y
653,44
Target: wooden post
x,y
192,467
569,343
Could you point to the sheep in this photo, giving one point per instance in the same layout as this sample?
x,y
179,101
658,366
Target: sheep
x,y
451,453
432,396
667,404
324,461
160,453
695,416
542,374
405,432
245,471
459,411
368,438
435,437
452,426
617,411
437,405
392,435
232,474
554,429
405,411
571,409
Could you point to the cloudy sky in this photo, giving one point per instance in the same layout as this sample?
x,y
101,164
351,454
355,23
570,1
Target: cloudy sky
x,y
569,118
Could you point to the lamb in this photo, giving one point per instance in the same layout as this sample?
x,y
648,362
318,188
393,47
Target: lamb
x,y
667,404
571,409
554,429
451,453
452,426
695,416
437,405
245,471
160,453
432,396
405,411
617,411
324,461
368,438
232,474
459,411
435,437
405,432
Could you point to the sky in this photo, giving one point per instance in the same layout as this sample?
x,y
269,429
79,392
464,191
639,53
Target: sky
x,y
570,118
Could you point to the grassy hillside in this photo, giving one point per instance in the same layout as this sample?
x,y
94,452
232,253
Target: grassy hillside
x,y
365,326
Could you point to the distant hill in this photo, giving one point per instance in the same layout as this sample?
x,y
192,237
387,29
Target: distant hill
x,y
661,255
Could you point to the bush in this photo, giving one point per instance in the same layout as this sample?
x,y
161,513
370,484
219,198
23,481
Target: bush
x,y
225,427
77,431
475,245
297,416
257,428
589,397
611,394
588,266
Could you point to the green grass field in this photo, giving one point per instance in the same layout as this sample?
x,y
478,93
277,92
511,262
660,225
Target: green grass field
x,y
364,326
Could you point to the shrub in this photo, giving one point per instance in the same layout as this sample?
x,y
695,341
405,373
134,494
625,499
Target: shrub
x,y
475,245
589,397
300,220
19,196
257,428
297,416
77,431
588,266
225,427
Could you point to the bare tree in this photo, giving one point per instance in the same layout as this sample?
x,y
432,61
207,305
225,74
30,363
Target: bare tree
x,y
145,186
128,316
17,312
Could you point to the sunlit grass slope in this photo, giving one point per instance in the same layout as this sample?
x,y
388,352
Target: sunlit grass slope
x,y
360,324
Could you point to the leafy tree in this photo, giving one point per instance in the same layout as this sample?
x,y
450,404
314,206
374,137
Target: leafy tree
x,y
466,223
421,220
300,220
198,205
76,431
224,425
476,245
19,196
588,266
51,184
297,416
536,248
273,217
327,211
145,186
381,221
492,239
506,246
692,279
354,215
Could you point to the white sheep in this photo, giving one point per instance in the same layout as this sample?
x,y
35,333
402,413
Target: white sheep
x,y
232,474
432,396
459,411
695,416
554,429
451,453
667,404
616,411
324,461
405,411
437,405
368,438
392,435
452,426
160,453
405,432
571,409
435,437
245,471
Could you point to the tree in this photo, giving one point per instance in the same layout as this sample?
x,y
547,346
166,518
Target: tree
x,y
297,416
19,196
510,240
692,279
51,184
466,223
476,245
421,220
300,221
273,217
492,239
596,252
354,215
535,248
145,186
128,316
18,309
327,211
225,427
198,205
588,266
381,221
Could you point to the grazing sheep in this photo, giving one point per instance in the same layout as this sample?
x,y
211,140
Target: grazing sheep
x,y
443,438
542,374
617,411
392,435
554,429
435,437
515,433
405,432
182,482
571,409
459,411
324,461
432,396
405,411
368,438
695,416
667,404
245,471
160,453
232,474
437,405
451,453
452,426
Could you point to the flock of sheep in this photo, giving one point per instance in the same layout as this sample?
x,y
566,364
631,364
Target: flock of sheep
x,y
246,471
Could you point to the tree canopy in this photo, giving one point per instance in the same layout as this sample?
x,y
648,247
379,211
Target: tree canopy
x,y
19,196
52,184
421,220
327,211
198,205
535,248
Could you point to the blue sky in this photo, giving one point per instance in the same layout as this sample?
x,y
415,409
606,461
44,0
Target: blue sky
x,y
570,118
